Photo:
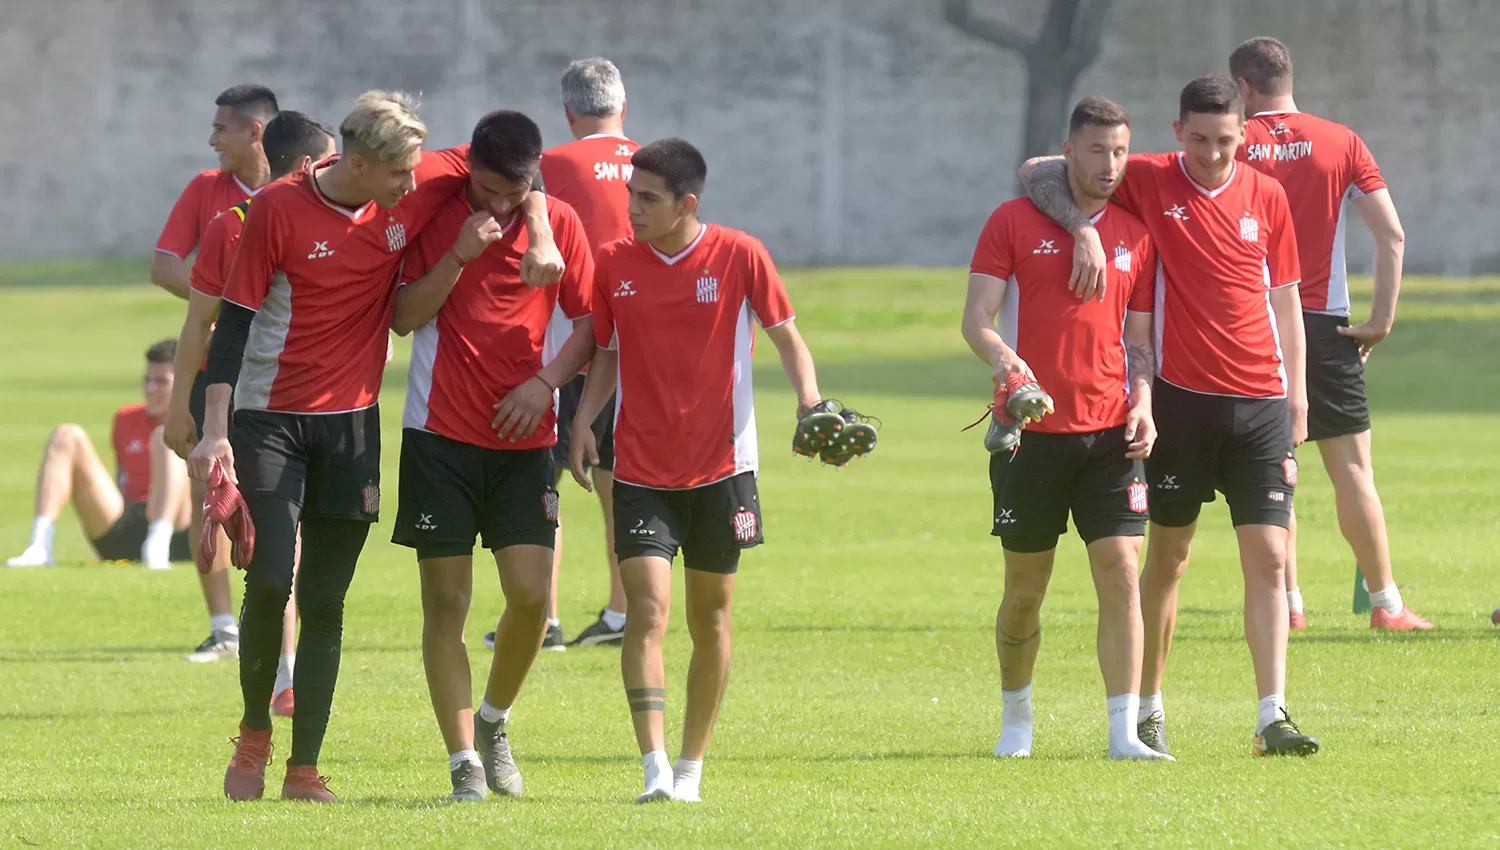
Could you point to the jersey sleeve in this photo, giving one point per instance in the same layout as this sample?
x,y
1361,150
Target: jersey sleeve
x,y
1143,293
439,175
768,297
216,254
421,255
179,236
575,292
993,254
1141,172
1284,265
1365,176
604,317
256,258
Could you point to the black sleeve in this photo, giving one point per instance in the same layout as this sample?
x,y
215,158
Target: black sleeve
x,y
227,349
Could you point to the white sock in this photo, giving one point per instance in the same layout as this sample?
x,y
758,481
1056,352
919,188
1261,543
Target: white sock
x,y
1272,709
1015,723
1149,706
1388,598
458,758
686,776
553,622
614,619
491,714
43,529
284,670
1123,710
223,623
1294,600
158,545
658,770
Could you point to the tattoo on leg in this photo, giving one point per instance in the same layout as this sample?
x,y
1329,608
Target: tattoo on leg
x,y
1009,640
646,699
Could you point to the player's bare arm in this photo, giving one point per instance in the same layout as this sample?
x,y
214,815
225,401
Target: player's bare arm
x,y
1140,363
518,414
417,302
797,363
179,432
170,272
1379,215
1286,304
981,308
543,263
1046,182
583,452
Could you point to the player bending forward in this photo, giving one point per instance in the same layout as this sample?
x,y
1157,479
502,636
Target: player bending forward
x,y
674,313
1086,455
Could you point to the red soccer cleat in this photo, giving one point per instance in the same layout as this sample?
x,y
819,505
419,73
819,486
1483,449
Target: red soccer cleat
x,y
224,507
1298,621
1407,621
283,704
303,783
246,777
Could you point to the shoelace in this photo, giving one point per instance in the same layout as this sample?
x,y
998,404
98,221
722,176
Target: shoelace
x,y
251,751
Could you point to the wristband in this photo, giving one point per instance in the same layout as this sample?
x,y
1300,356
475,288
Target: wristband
x,y
457,259
539,377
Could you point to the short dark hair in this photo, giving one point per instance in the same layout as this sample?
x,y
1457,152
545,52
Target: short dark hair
x,y
289,137
1215,94
162,352
677,163
1097,112
1264,63
507,143
250,101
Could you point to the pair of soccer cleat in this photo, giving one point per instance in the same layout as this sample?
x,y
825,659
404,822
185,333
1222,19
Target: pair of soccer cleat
x,y
834,434
1018,402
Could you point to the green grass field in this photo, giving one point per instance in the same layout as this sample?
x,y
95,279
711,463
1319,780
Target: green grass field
x,y
865,697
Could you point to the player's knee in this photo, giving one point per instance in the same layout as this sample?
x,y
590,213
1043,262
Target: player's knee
x,y
708,626
322,610
649,611
529,599
265,596
67,437
159,439
445,601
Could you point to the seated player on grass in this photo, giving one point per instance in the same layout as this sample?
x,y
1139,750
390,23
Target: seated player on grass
x,y
142,513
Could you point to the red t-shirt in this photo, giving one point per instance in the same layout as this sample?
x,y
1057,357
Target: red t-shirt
x,y
1074,347
1222,250
684,325
1320,164
487,338
216,251
321,278
131,436
590,175
204,198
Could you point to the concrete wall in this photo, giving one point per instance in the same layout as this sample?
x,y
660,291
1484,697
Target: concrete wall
x,y
845,131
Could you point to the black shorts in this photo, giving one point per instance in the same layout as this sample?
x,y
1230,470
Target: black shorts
x,y
198,401
328,464
1241,447
1051,474
124,539
568,396
1336,403
711,524
451,491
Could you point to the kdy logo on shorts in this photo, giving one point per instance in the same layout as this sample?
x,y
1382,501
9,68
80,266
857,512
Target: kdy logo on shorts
x,y
1137,491
1289,471
746,526
549,504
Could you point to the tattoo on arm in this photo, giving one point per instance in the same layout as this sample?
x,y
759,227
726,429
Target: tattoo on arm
x,y
1141,363
1048,189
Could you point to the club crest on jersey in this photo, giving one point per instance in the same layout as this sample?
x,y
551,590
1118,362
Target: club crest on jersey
x,y
1122,258
395,236
1249,229
1048,246
708,289
371,495
1289,471
626,288
1137,492
1178,211
549,505
746,526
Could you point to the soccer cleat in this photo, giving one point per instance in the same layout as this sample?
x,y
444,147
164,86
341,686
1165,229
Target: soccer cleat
x,y
468,784
217,646
34,556
1153,733
553,641
817,429
284,703
224,507
1407,621
600,634
303,783
246,777
1297,621
1283,738
500,770
856,439
1026,400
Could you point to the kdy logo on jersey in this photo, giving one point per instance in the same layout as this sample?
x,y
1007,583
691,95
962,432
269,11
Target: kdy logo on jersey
x,y
549,505
1047,247
1137,492
625,289
1178,211
1249,229
1122,258
319,251
746,526
395,236
708,289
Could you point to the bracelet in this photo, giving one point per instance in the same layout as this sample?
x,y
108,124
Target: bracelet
x,y
539,377
457,259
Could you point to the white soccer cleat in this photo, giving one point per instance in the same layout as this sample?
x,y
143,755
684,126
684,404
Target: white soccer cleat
x,y
34,556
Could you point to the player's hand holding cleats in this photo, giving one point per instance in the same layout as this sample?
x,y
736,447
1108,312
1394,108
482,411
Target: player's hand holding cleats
x,y
833,433
1019,400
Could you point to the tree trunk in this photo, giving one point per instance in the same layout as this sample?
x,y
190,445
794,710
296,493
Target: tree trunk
x,y
1048,90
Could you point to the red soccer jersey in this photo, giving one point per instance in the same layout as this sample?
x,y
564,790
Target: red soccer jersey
x,y
131,436
204,198
1222,250
321,278
1320,164
1074,347
683,325
216,252
590,175
487,338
